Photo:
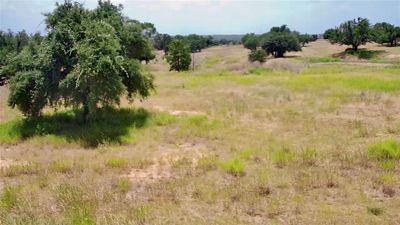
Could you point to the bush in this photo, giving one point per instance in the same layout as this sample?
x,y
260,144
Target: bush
x,y
384,150
259,55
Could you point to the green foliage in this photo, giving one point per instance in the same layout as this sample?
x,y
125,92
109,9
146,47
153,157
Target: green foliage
x,y
28,92
161,42
385,150
279,41
352,32
235,166
179,55
250,41
259,55
108,125
305,38
386,33
88,58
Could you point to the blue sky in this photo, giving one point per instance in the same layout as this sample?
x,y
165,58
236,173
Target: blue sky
x,y
217,16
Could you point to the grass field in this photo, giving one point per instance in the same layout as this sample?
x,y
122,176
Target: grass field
x,y
308,139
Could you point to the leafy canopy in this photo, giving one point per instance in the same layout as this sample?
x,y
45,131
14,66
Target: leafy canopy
x,y
386,33
88,58
353,32
179,55
280,40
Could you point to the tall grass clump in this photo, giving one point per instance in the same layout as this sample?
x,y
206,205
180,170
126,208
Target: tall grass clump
x,y
8,197
385,150
282,157
235,166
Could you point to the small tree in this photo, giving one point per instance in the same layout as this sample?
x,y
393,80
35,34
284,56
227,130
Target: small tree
x,y
353,32
258,55
279,41
385,33
178,55
250,41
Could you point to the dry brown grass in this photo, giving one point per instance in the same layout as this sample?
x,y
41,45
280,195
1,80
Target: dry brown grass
x,y
302,150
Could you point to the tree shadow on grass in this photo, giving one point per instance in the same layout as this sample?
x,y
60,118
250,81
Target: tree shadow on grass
x,y
361,53
108,125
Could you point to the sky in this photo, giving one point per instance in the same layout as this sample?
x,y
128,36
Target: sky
x,y
217,16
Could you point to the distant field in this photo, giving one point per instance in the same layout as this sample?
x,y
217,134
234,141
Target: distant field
x,y
307,139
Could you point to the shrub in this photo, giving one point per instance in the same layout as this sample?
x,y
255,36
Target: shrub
x,y
259,55
386,149
235,166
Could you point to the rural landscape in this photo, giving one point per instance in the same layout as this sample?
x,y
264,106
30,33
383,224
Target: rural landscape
x,y
105,120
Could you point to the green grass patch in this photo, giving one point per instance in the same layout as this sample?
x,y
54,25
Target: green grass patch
x,y
235,166
162,119
385,150
109,125
9,197
78,204
61,166
305,82
321,59
117,162
260,71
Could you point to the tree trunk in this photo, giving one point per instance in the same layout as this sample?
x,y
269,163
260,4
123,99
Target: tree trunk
x,y
85,111
355,47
